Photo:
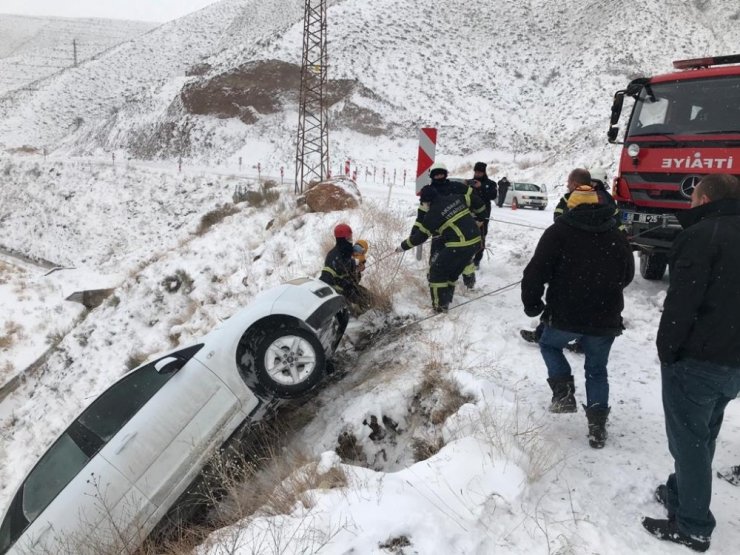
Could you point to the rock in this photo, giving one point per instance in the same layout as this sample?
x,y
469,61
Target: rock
x,y
333,195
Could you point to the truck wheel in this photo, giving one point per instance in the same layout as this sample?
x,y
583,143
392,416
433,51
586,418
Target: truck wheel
x,y
653,265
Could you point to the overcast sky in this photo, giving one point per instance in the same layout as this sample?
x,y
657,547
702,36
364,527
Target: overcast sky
x,y
143,10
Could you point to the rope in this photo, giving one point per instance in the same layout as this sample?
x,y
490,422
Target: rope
x,y
500,290
514,223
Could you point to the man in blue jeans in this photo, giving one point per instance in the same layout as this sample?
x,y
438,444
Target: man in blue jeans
x,y
699,349
586,263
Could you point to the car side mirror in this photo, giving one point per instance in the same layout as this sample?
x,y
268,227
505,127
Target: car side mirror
x,y
612,134
617,107
168,365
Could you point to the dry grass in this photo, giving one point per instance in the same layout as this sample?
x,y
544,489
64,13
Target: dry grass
x,y
208,220
386,273
518,435
137,358
12,332
272,483
263,194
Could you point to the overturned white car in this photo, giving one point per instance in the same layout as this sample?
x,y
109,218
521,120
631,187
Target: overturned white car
x,y
117,469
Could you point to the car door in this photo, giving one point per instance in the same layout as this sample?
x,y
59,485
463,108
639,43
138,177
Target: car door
x,y
164,443
69,500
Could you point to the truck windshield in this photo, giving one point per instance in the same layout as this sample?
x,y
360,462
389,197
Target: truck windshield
x,y
693,107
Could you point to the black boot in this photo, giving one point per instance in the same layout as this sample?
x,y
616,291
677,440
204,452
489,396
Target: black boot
x,y
469,281
597,418
529,335
563,395
667,529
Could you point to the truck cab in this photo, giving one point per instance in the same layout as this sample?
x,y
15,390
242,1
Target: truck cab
x,y
683,125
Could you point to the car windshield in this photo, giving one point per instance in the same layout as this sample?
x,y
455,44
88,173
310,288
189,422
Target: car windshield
x,y
527,187
696,106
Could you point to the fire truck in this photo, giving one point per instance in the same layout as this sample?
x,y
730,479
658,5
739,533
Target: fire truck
x,y
683,125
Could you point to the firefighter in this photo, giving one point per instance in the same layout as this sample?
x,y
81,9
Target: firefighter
x,y
343,273
486,189
447,211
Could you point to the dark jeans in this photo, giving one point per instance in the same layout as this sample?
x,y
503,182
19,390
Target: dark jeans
x,y
695,394
596,350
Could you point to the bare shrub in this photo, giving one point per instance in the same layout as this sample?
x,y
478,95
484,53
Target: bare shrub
x,y
386,274
209,219
257,196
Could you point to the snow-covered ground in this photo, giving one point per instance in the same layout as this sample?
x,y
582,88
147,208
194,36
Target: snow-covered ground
x,y
525,87
33,48
511,478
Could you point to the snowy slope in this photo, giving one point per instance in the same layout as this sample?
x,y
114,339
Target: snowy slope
x,y
524,94
511,479
32,48
532,78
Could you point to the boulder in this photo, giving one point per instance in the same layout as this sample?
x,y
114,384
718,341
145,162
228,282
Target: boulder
x,y
333,195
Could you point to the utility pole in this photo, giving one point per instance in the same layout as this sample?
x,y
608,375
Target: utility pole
x,y
74,50
312,149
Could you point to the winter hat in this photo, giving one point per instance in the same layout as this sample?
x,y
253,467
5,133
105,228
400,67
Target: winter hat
x,y
342,231
479,167
583,194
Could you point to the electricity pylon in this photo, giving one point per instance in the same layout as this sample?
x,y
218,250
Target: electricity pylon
x,y
312,149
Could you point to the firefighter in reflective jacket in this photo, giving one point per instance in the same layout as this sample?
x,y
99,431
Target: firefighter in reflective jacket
x,y
342,271
446,212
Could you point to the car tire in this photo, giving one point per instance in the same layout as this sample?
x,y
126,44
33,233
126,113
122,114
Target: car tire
x,y
289,362
540,208
653,265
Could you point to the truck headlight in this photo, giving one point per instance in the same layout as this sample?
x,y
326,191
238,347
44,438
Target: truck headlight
x,y
633,150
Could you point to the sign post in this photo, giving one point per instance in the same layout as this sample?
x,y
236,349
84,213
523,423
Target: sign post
x,y
427,152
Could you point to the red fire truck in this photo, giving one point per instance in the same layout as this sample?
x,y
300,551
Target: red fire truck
x,y
683,125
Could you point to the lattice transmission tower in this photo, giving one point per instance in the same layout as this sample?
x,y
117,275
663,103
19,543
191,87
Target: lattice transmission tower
x,y
312,149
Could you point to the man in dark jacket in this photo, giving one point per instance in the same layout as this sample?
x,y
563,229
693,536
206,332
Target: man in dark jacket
x,y
699,349
446,212
503,188
580,183
586,264
486,189
342,273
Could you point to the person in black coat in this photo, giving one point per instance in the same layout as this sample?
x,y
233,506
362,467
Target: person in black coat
x,y
342,273
487,190
503,188
586,264
699,350
446,212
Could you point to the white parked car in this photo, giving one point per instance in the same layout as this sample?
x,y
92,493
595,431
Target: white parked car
x,y
118,468
526,194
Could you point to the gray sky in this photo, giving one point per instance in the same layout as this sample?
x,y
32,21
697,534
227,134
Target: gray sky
x,y
143,10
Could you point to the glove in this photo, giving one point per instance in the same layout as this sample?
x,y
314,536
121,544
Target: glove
x,y
534,310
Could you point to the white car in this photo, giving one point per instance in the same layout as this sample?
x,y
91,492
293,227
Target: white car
x,y
116,470
526,194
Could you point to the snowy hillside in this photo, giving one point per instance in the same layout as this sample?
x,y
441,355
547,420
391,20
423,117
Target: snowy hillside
x,y
33,48
532,79
437,435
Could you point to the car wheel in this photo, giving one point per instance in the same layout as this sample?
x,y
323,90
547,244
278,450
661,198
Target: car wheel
x,y
289,362
540,207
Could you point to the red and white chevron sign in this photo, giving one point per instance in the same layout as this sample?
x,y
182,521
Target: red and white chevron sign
x,y
427,150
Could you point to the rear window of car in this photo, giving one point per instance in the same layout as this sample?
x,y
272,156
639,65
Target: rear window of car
x,y
528,187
